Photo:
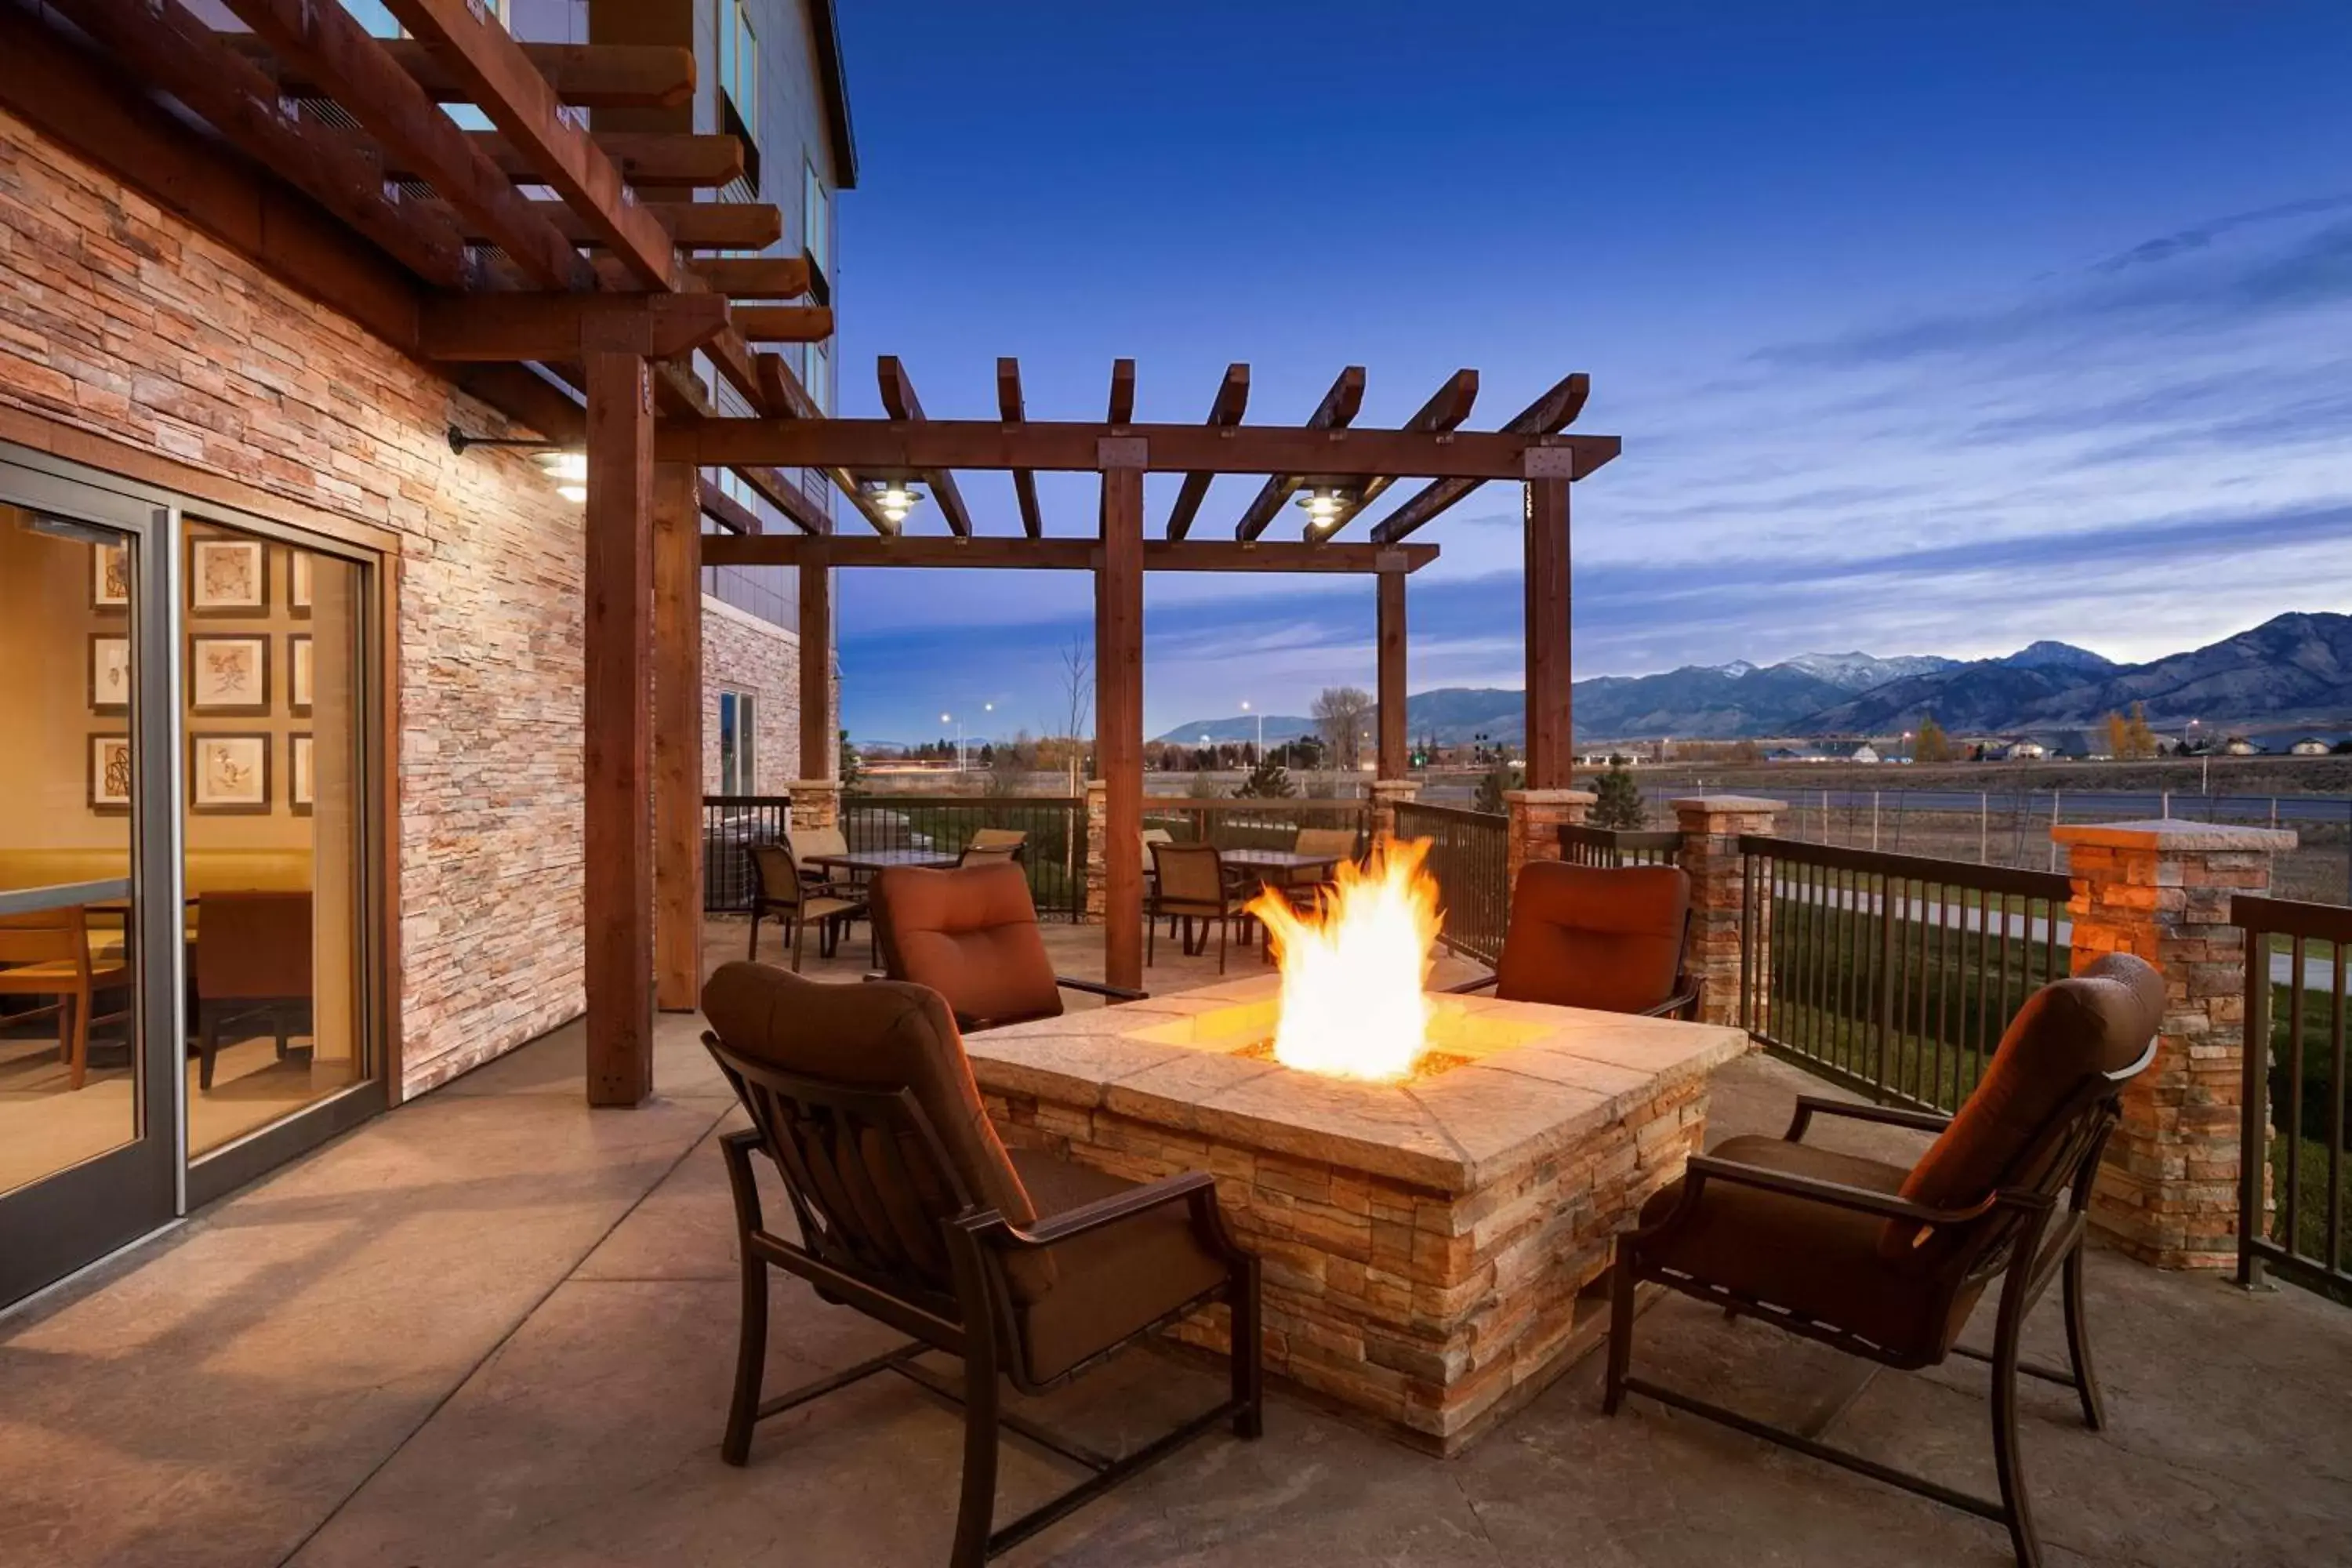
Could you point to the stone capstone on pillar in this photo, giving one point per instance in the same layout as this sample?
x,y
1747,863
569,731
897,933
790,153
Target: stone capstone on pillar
x,y
817,803
1711,827
1537,816
1387,796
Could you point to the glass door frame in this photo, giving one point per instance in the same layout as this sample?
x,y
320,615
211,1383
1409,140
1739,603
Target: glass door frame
x,y
123,1208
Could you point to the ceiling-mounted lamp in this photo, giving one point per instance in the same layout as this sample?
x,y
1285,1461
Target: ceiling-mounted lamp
x,y
894,498
565,467
1323,505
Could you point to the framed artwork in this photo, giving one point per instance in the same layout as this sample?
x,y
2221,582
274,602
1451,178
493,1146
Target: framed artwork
x,y
228,577
300,786
110,576
110,673
297,661
110,774
228,773
298,583
228,673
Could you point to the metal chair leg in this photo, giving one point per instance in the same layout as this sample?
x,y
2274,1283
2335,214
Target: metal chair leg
x,y
2078,1342
1621,1333
754,953
800,940
2008,1461
1248,1354
976,1509
750,1362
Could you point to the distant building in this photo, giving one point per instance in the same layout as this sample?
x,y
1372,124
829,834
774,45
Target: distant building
x,y
1866,753
2239,746
2019,751
2309,746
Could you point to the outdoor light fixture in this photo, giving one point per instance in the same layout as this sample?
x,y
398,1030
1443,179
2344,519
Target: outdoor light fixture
x,y
1323,504
893,499
567,467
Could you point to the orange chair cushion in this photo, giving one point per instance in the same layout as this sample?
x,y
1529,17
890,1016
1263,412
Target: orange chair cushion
x,y
971,934
1588,936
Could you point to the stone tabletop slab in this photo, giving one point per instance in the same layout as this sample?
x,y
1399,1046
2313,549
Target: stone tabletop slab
x,y
1532,1078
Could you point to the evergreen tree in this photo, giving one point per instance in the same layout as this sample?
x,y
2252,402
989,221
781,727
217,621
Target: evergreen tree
x,y
1620,803
1268,781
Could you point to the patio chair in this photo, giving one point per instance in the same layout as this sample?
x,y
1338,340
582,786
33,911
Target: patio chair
x,y
1153,835
1337,842
1885,1263
1611,939
1012,843
972,935
252,961
811,842
47,955
989,855
779,889
1191,881
911,1211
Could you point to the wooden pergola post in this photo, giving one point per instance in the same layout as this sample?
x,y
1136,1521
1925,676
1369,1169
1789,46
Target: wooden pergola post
x,y
1119,714
677,737
1395,745
1551,745
817,727
617,728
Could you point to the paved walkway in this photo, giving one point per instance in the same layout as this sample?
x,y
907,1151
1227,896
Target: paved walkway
x,y
496,1328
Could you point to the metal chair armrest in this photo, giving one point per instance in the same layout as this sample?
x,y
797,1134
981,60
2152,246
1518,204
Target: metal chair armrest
x,y
1096,988
1812,1105
1705,1168
1185,1187
1680,1003
1467,987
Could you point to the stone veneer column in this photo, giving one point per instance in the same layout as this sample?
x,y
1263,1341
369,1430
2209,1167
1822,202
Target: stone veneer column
x,y
1387,796
1711,826
1098,829
817,803
1537,816
2161,890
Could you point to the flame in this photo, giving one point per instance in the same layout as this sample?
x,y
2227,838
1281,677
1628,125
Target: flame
x,y
1354,965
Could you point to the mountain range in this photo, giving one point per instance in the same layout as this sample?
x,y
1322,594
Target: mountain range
x,y
2292,668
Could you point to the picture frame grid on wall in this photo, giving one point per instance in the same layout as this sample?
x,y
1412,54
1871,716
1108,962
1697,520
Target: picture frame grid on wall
x,y
227,576
302,775
228,674
110,674
111,774
110,578
301,668
299,583
229,774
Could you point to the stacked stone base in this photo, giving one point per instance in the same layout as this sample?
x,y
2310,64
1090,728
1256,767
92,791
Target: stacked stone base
x,y
1435,1313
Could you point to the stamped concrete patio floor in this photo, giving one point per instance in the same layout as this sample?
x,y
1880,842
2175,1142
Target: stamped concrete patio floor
x,y
496,1328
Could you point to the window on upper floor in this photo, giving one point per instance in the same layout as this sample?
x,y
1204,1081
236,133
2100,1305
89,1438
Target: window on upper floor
x,y
739,83
816,227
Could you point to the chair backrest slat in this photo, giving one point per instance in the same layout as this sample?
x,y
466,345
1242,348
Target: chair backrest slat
x,y
1189,874
777,875
49,936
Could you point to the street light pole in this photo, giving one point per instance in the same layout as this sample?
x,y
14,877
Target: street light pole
x,y
1261,731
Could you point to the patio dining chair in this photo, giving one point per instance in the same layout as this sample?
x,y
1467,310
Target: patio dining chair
x,y
811,842
1011,843
1886,1263
972,935
253,962
1031,1269
778,889
1339,843
1607,938
47,955
1191,881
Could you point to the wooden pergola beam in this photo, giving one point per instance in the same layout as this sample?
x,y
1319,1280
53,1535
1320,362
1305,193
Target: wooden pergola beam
x,y
587,76
648,160
330,47
1336,412
1551,749
724,510
677,698
1445,410
1553,412
881,445
1121,411
753,277
898,398
784,323
508,87
1010,405
1007,552
164,44
551,327
1232,402
694,226
1389,688
781,394
1119,719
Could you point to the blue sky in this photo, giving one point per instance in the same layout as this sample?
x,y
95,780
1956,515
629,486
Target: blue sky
x,y
1927,329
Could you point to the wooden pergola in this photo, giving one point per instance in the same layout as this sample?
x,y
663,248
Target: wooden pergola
x,y
562,274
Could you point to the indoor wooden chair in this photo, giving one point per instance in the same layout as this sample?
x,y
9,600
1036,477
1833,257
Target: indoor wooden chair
x,y
47,955
779,890
1191,882
972,935
253,960
1611,939
1886,1263
909,1210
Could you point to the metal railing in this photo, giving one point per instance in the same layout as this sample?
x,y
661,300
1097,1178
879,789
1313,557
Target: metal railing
x,y
1469,856
1053,854
1611,848
2291,1200
1252,824
1892,975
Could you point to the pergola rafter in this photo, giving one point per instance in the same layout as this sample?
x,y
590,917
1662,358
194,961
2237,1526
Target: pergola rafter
x,y
1336,412
1233,399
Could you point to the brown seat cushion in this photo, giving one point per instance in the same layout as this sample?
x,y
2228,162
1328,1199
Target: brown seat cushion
x,y
1820,1262
1110,1282
1588,936
880,1035
2069,1032
971,934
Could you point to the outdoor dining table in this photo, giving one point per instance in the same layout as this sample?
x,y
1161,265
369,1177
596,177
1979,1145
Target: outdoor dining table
x,y
1280,868
866,861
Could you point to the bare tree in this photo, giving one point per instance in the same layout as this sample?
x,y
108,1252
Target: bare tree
x,y
1077,666
1343,713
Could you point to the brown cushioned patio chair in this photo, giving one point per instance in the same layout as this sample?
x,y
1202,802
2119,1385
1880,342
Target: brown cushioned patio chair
x,y
779,890
1885,1263
972,935
253,961
911,1211
1191,881
1611,939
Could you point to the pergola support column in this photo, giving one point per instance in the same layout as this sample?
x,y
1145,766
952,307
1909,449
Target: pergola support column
x,y
677,737
1551,744
617,729
1118,721
818,729
1395,745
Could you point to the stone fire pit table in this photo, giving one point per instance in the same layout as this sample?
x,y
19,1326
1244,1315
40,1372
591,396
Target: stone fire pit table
x,y
1427,1245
